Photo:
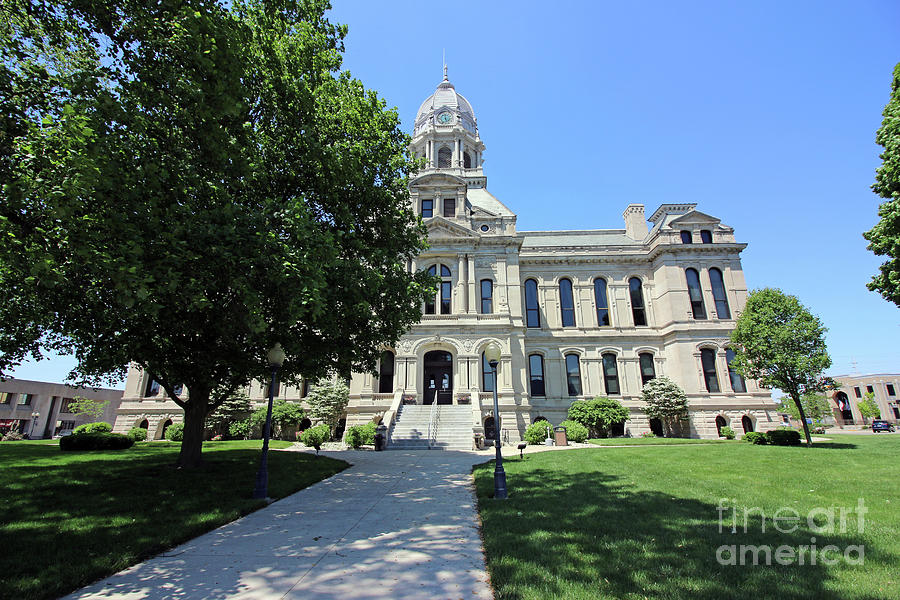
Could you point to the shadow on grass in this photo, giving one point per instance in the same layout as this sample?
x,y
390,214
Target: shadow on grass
x,y
597,536
79,516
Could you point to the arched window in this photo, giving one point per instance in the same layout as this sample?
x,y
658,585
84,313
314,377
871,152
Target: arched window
x,y
573,375
487,296
601,301
610,374
487,375
747,424
536,374
449,207
165,427
648,371
706,236
708,360
720,423
637,302
532,311
144,424
686,237
467,160
444,292
566,303
737,382
719,295
444,157
152,388
843,403
427,208
656,427
305,424
695,293
386,373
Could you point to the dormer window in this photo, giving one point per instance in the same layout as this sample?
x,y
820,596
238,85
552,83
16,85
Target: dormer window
x,y
444,157
706,236
686,237
427,208
449,207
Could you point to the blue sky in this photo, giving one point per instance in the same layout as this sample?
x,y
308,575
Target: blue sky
x,y
762,113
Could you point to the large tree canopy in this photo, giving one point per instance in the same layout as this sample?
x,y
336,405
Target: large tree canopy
x,y
186,183
884,237
778,342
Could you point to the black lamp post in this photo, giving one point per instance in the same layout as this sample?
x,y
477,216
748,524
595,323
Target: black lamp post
x,y
276,359
492,354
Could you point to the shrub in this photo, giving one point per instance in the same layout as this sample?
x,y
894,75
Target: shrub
x,y
648,434
667,402
138,434
285,415
98,427
755,437
575,432
536,433
175,432
727,433
240,429
95,441
314,437
360,435
598,415
12,436
783,437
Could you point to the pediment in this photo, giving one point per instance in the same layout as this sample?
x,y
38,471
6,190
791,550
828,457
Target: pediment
x,y
695,217
437,178
440,228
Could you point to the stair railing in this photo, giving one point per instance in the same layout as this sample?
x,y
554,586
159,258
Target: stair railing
x,y
432,424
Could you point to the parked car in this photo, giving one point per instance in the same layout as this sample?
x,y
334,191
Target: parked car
x,y
882,426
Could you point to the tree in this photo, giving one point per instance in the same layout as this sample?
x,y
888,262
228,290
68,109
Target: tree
x,y
778,342
327,401
665,401
815,407
884,237
185,184
868,408
85,406
284,415
229,411
598,415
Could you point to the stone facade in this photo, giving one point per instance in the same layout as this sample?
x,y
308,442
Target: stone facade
x,y
40,410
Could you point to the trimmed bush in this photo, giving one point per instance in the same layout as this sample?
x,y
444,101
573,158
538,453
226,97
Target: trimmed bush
x,y
755,437
175,432
95,441
314,437
98,427
537,432
138,434
727,433
360,435
575,432
783,437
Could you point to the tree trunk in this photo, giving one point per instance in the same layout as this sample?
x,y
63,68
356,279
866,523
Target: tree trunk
x,y
796,400
194,419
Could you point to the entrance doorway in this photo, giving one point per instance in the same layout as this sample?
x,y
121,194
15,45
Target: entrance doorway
x,y
438,369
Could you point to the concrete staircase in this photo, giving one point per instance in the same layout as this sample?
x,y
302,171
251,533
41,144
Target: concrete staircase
x,y
453,428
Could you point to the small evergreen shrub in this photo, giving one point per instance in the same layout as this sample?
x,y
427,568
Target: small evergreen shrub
x,y
314,437
727,433
536,433
95,441
175,432
575,432
360,435
98,427
755,437
138,434
783,437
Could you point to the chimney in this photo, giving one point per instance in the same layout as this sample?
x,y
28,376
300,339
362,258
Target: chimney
x,y
635,223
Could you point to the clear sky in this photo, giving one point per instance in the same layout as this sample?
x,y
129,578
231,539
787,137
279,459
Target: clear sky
x,y
762,113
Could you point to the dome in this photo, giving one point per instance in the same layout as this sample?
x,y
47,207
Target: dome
x,y
446,97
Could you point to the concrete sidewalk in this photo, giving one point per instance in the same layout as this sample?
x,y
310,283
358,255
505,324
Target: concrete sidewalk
x,y
394,525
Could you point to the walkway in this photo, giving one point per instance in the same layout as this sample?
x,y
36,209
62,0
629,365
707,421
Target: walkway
x,y
394,525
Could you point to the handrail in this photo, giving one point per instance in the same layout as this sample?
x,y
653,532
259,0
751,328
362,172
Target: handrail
x,y
432,425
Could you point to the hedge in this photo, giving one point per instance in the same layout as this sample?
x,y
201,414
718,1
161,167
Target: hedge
x,y
755,437
360,435
783,437
95,441
98,427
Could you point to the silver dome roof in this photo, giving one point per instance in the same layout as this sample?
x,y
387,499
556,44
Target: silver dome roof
x,y
446,97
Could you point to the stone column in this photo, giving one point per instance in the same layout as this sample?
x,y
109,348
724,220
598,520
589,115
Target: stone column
x,y
500,302
470,278
462,306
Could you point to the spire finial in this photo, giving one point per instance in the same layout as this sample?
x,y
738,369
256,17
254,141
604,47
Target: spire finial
x,y
444,60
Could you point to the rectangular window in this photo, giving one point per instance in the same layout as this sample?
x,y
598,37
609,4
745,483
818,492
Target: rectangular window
x,y
152,388
536,373
7,398
858,392
890,390
708,360
25,399
445,298
566,303
870,389
610,375
532,311
573,375
487,296
64,405
737,382
427,208
706,236
487,375
449,207
648,372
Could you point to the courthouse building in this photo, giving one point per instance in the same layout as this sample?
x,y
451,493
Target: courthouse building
x,y
578,313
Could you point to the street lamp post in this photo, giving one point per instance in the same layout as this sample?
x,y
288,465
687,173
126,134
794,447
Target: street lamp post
x,y
34,418
276,359
492,354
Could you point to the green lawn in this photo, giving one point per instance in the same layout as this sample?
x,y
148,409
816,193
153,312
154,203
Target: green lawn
x,y
70,518
640,523
623,441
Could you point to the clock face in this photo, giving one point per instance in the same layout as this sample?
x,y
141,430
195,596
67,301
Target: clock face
x,y
445,118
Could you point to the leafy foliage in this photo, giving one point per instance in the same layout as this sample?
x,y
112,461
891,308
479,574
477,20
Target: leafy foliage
x,y
666,401
314,437
868,408
755,437
240,430
727,433
138,434
778,342
213,182
98,427
536,433
85,406
284,416
327,401
575,431
783,437
598,415
815,406
360,435
229,411
95,441
175,432
884,237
